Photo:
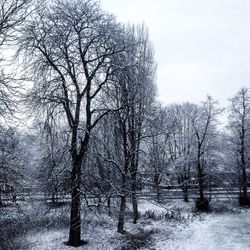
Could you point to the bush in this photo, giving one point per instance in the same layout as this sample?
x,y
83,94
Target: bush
x,y
138,240
202,204
244,201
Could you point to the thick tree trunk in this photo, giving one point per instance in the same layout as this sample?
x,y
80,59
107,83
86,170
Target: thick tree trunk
x,y
184,184
75,214
157,187
121,216
135,208
134,195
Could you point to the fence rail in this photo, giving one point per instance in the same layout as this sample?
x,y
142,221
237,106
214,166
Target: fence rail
x,y
164,194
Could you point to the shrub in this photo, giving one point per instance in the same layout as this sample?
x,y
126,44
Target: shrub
x,y
202,204
138,240
244,201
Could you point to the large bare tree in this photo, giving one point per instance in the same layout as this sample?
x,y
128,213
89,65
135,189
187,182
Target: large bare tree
x,y
70,48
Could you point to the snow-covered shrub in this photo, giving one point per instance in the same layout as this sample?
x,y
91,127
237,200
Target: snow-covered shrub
x,y
138,240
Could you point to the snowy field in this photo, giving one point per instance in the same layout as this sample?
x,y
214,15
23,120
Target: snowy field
x,y
169,226
214,232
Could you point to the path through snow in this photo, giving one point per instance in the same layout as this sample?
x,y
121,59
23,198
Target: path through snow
x,y
216,232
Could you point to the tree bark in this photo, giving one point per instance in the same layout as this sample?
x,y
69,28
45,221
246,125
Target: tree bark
x,y
200,180
135,207
243,168
109,205
200,174
134,195
121,216
75,214
244,186
185,192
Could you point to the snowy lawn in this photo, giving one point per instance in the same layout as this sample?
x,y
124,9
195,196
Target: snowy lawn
x,y
99,230
229,231
168,226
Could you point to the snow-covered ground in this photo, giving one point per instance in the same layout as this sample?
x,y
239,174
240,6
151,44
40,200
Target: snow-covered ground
x,y
174,226
229,231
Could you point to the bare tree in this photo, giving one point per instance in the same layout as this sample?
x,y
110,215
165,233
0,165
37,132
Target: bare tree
x,y
134,93
181,143
11,164
12,15
140,97
239,125
156,152
69,47
204,120
53,164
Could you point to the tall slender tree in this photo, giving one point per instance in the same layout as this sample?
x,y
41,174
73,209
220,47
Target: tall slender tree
x,y
239,125
204,121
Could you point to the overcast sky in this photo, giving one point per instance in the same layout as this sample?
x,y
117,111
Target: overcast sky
x,y
201,46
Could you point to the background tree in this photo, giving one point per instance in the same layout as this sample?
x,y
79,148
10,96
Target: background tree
x,y
181,143
239,126
204,121
12,15
135,93
53,164
156,154
11,164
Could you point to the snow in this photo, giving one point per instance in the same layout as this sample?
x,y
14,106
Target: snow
x,y
189,231
230,231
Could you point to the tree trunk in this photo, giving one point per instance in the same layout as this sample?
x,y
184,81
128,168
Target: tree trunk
x,y
201,185
201,181
75,214
121,216
244,186
200,175
185,192
244,197
134,196
135,208
109,205
53,198
158,193
1,202
156,186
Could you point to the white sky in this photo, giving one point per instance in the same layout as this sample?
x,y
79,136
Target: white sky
x,y
201,46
